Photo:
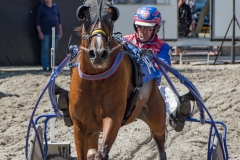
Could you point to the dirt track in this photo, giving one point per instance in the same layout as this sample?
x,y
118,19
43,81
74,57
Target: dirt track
x,y
218,85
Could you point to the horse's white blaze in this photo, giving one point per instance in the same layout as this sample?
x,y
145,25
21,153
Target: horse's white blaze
x,y
99,41
99,38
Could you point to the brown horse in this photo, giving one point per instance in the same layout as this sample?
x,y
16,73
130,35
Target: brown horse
x,y
98,105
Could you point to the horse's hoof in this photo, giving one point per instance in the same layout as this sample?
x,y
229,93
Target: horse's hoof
x,y
91,154
163,155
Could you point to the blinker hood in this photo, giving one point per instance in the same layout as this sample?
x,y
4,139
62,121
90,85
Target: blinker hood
x,y
87,13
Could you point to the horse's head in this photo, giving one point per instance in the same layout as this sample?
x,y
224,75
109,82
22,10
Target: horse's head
x,y
97,18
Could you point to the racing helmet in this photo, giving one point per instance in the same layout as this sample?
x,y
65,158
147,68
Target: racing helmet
x,y
148,16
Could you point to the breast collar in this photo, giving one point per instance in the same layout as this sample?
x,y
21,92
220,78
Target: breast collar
x,y
105,74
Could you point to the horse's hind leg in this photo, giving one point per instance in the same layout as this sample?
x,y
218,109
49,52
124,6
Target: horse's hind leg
x,y
155,117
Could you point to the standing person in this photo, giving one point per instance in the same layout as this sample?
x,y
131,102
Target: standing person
x,y
184,18
147,22
201,18
184,21
191,4
48,17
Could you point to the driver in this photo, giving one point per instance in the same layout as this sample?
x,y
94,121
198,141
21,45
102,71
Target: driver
x,y
147,22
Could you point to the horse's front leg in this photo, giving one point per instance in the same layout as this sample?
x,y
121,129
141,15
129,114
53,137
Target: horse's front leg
x,y
110,131
86,142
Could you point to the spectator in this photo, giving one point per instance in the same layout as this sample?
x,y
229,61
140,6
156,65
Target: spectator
x,y
184,21
191,4
184,18
201,18
48,17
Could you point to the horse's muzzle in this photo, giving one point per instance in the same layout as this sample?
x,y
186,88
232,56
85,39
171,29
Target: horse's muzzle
x,y
98,58
103,54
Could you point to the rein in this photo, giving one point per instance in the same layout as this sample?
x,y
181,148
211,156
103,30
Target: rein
x,y
114,48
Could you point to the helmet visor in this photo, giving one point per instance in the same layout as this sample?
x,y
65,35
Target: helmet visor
x,y
144,23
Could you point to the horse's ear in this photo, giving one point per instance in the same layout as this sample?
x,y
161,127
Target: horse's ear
x,y
115,13
81,12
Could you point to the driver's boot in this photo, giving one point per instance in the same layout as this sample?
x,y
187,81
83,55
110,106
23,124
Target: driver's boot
x,y
179,115
63,104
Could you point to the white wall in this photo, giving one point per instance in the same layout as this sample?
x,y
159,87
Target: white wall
x,y
222,14
221,11
169,13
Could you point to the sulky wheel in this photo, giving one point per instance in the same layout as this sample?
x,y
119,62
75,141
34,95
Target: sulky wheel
x,y
217,152
34,149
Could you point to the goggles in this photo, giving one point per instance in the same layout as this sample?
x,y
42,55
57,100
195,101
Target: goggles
x,y
148,28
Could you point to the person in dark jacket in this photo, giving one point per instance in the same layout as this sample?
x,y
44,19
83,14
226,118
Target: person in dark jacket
x,y
184,21
184,18
48,17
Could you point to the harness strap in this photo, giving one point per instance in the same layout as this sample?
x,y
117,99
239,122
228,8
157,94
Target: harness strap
x,y
131,104
114,48
103,75
138,83
84,48
98,31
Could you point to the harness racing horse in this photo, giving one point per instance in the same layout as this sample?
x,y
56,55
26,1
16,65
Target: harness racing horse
x,y
102,87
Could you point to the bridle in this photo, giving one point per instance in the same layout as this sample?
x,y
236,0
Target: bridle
x,y
95,31
98,31
93,17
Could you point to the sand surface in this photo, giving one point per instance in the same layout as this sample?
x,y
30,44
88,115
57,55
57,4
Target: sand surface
x,y
219,87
